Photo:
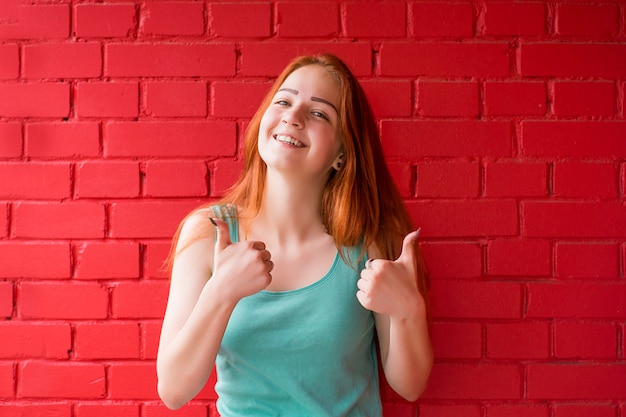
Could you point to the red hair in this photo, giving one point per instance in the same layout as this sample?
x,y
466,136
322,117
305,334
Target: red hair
x,y
360,202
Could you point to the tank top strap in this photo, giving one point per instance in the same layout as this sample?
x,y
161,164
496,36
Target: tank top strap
x,y
228,213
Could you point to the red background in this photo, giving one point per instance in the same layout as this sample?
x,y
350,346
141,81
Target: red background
x,y
503,123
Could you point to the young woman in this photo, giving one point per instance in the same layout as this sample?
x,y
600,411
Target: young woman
x,y
278,295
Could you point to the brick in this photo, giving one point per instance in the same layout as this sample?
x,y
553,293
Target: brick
x,y
126,299
389,98
26,409
600,21
62,301
518,341
93,260
104,179
577,139
461,299
545,300
519,258
9,62
6,299
62,139
107,99
106,341
585,340
62,60
167,139
189,410
155,255
4,220
240,20
445,59
452,259
583,98
182,18
35,340
224,175
449,410
474,382
374,20
402,175
448,179
7,382
585,180
451,138
307,19
587,260
514,19
61,380
132,380
465,218
237,99
148,219
10,139
169,60
262,59
176,99
60,220
584,410
515,179
457,340
34,180
45,99
573,219
518,410
446,98
106,409
39,21
399,409
530,98
572,60
104,20
576,381
150,335
26,259
432,19
176,179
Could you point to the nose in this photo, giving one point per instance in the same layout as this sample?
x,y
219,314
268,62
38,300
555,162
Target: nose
x,y
292,117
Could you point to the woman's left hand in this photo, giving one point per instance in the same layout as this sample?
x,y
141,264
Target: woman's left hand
x,y
390,287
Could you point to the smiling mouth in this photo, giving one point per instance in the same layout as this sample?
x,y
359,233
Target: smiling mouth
x,y
289,140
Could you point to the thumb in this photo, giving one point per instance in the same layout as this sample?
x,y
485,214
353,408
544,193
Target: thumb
x,y
408,247
223,236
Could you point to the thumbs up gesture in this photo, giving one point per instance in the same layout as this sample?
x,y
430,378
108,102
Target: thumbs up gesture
x,y
390,287
242,268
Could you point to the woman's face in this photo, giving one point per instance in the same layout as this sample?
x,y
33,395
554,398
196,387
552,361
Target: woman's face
x,y
298,131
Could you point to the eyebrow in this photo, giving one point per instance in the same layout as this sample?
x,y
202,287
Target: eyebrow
x,y
318,99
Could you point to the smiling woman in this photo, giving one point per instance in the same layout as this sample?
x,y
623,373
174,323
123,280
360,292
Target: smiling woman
x,y
271,286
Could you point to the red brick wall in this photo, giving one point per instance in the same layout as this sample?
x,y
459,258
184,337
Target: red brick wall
x,y
504,125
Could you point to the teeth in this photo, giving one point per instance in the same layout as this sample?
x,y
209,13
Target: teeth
x,y
289,140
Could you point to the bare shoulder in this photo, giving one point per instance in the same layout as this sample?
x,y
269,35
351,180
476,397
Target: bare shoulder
x,y
194,249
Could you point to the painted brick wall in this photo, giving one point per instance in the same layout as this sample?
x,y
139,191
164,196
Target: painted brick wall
x,y
504,124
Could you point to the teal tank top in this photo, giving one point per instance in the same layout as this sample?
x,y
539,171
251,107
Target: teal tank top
x,y
305,352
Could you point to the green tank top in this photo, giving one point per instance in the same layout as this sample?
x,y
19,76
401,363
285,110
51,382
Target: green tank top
x,y
305,352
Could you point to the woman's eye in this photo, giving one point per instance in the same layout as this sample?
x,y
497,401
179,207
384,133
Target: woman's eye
x,y
282,102
319,114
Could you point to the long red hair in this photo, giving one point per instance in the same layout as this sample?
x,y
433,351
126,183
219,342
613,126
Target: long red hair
x,y
360,203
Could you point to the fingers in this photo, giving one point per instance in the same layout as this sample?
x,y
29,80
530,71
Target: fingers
x,y
408,245
223,236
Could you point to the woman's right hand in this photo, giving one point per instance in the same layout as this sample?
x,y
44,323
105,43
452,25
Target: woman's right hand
x,y
239,269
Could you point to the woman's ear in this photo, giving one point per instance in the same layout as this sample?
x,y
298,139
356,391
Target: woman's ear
x,y
338,162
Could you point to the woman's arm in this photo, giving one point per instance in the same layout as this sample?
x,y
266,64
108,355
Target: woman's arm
x,y
199,308
389,289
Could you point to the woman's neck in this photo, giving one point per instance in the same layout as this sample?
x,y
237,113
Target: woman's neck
x,y
290,210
